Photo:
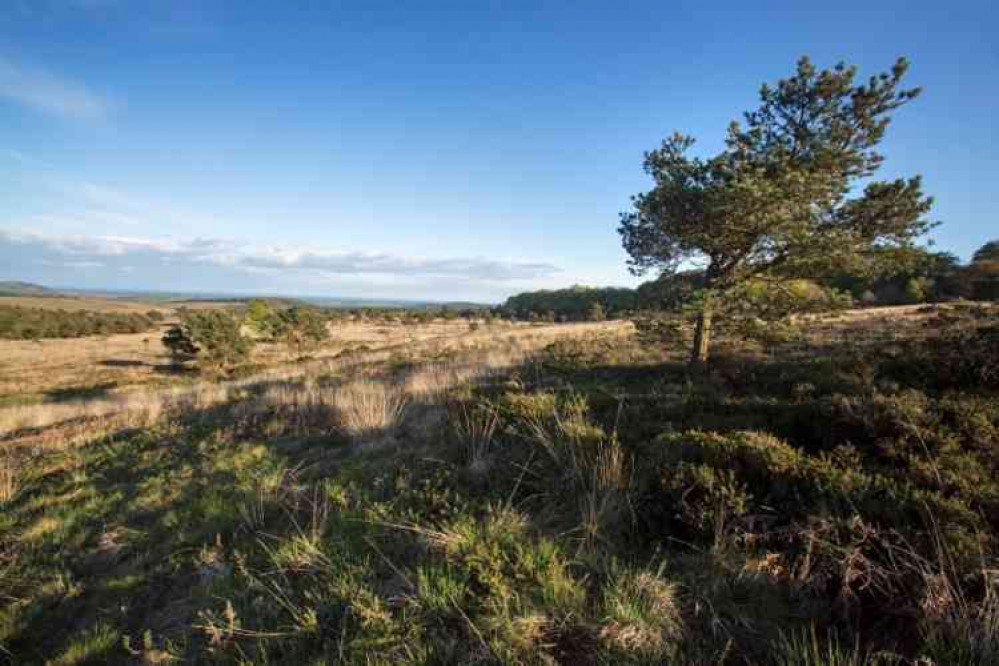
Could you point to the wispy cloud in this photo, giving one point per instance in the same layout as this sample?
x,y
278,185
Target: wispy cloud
x,y
47,92
358,263
118,251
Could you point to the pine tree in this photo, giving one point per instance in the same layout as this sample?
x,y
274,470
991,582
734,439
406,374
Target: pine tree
x,y
774,205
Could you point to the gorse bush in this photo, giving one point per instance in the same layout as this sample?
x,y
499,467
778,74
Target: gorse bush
x,y
19,323
948,446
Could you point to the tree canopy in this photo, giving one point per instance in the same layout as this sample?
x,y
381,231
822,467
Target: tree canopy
x,y
573,304
987,252
778,202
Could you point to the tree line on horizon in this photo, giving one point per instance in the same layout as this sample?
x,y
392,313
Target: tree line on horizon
x,y
923,276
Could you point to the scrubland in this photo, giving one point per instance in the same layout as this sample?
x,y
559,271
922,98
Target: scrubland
x,y
54,371
568,494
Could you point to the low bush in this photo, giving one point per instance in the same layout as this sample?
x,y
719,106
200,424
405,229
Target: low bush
x,y
851,535
20,323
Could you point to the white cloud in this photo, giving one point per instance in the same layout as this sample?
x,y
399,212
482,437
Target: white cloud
x,y
356,263
46,92
309,264
83,264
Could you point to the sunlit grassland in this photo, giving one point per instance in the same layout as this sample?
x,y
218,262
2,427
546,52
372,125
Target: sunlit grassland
x,y
559,494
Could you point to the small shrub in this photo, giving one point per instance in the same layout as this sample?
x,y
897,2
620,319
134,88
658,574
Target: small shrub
x,y
524,595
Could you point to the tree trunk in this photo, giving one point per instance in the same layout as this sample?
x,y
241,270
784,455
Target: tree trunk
x,y
702,336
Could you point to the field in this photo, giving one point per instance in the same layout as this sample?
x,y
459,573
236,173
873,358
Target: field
x,y
89,303
60,369
502,493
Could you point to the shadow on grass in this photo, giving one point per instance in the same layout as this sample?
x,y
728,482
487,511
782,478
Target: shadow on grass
x,y
75,393
174,369
119,527
122,363
737,391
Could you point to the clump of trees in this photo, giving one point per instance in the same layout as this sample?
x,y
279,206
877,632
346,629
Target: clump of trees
x,y
221,339
577,303
922,276
415,315
774,205
303,328
212,337
918,276
21,323
912,275
299,326
984,272
262,318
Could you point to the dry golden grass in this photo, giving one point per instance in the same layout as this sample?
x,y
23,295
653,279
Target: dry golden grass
x,y
474,354
9,479
431,382
97,366
368,409
63,365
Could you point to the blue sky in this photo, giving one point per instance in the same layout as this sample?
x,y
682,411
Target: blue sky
x,y
423,150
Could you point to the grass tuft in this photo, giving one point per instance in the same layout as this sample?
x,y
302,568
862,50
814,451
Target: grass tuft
x,y
641,614
369,409
474,425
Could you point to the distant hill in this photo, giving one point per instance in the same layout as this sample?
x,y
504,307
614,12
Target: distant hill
x,y
17,288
